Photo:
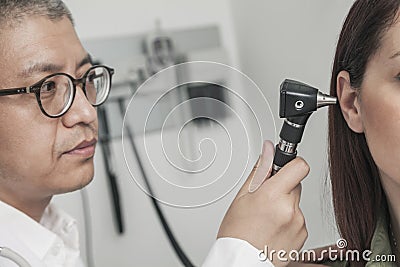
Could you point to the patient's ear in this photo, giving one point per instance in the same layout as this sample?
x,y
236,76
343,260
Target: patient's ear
x,y
348,98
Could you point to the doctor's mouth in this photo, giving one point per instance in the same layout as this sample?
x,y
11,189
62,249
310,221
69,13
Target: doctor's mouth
x,y
84,149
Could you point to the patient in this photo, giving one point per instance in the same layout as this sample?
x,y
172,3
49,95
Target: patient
x,y
364,131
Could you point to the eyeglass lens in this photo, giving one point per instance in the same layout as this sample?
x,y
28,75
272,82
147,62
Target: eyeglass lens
x,y
56,94
97,85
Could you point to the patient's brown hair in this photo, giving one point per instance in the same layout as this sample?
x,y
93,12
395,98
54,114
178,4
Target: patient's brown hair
x,y
356,188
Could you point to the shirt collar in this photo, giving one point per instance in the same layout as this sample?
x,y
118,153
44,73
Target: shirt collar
x,y
62,224
38,237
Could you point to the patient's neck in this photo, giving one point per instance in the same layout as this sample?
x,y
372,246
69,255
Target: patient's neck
x,y
392,190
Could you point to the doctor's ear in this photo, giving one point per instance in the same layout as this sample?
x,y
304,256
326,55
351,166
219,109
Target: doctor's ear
x,y
348,98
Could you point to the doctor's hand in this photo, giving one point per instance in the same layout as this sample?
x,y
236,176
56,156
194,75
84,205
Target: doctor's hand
x,y
266,210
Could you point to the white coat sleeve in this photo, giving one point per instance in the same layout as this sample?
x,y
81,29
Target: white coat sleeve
x,y
233,252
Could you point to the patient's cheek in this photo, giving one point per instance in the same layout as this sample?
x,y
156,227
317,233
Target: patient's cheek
x,y
381,121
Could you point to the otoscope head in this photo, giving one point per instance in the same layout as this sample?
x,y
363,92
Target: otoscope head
x,y
299,99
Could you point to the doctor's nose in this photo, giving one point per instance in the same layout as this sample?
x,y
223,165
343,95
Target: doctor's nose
x,y
81,110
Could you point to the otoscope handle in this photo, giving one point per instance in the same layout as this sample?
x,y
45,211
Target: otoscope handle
x,y
281,158
290,136
293,129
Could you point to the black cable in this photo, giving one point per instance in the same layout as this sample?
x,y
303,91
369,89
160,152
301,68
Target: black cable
x,y
178,250
112,179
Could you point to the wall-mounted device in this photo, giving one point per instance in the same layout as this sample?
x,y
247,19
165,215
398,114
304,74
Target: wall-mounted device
x,y
159,49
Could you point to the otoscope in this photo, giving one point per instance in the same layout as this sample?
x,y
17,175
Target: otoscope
x,y
297,102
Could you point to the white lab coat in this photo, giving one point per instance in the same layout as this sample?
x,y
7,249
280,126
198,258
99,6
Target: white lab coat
x,y
55,242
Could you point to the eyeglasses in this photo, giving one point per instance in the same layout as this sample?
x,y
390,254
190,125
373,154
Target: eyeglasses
x,y
56,92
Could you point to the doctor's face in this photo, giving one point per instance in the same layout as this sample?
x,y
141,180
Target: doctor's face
x,y
42,156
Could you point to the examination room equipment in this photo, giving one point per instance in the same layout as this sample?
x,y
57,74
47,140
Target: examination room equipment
x,y
297,102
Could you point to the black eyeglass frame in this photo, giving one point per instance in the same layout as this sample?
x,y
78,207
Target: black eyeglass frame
x,y
35,88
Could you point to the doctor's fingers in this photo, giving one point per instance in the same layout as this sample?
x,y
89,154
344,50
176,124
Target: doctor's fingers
x,y
296,192
288,178
261,170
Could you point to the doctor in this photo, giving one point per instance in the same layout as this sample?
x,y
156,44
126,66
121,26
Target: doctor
x,y
49,91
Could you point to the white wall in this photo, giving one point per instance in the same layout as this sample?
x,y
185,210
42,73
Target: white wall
x,y
269,41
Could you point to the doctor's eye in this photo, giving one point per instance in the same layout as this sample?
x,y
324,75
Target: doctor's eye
x,y
55,87
48,87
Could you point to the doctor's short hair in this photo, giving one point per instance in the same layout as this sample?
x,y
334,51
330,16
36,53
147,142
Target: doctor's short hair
x,y
13,12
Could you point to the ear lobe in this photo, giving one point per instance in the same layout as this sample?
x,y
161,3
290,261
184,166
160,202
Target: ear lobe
x,y
348,98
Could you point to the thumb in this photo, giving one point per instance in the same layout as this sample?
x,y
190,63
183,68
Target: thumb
x,y
264,168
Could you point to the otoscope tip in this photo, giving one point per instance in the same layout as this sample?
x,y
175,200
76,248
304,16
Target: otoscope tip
x,y
325,100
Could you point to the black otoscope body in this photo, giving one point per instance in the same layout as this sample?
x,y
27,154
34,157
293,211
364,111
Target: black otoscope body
x,y
297,102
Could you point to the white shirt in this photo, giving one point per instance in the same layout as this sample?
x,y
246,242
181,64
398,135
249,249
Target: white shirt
x,y
233,252
54,242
